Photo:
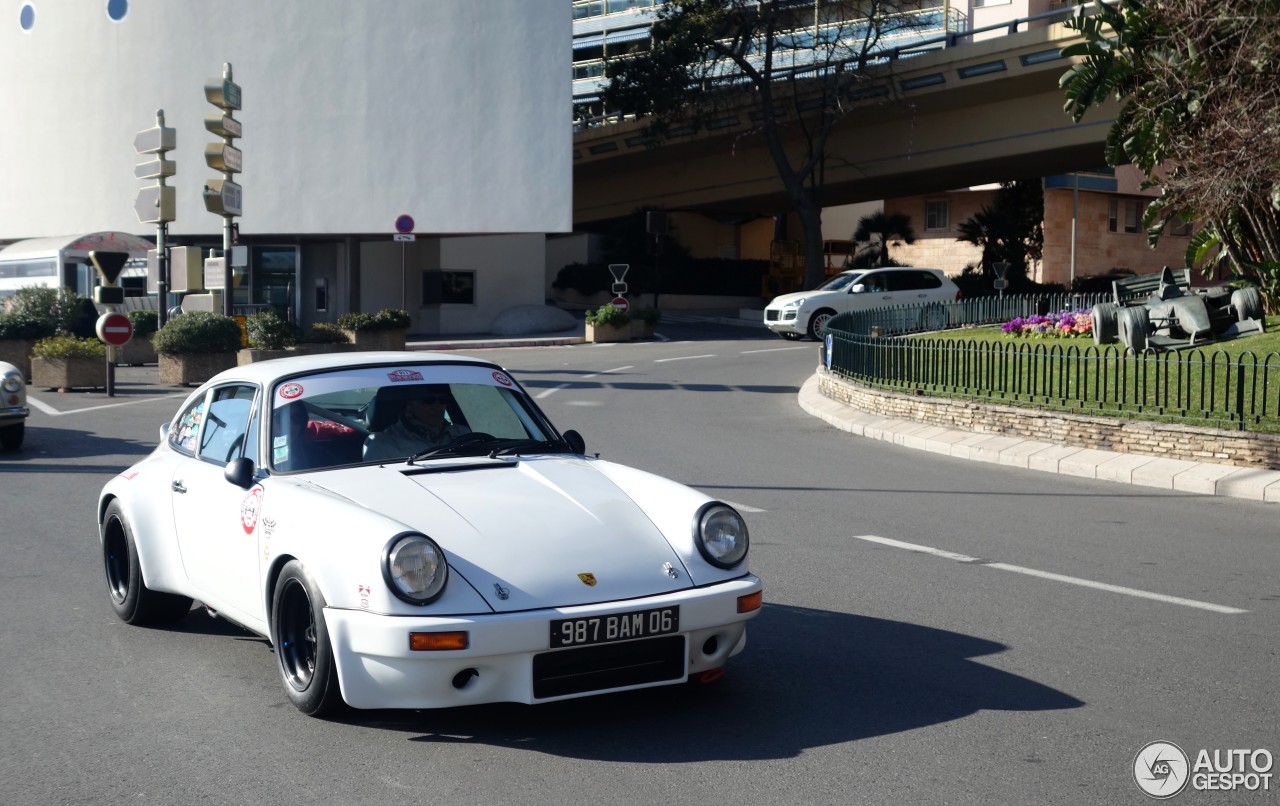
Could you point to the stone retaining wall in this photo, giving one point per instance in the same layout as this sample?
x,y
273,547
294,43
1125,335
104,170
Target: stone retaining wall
x,y
1193,443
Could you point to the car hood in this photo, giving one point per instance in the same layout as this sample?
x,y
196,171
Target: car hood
x,y
783,299
550,531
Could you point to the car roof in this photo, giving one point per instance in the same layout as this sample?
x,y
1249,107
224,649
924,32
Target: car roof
x,y
264,372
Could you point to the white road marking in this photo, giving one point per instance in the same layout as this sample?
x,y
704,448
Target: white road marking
x,y
52,412
778,349
1085,583
682,358
743,507
554,389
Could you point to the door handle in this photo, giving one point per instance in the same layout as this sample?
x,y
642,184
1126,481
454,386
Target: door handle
x,y
177,486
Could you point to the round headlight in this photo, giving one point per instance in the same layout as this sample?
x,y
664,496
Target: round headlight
x,y
13,382
414,568
721,535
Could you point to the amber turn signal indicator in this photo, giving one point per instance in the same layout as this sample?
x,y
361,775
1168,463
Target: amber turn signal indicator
x,y
751,602
438,641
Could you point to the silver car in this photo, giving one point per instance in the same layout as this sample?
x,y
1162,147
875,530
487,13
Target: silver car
x,y
806,313
13,407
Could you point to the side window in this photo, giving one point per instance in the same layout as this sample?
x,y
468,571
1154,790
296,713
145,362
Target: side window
x,y
875,282
916,280
226,423
184,433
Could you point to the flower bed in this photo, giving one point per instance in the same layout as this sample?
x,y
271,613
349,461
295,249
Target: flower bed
x,y
1064,324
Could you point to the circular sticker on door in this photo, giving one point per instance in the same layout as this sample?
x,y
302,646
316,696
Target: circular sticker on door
x,y
250,508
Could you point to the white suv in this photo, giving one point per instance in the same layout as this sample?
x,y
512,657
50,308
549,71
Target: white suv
x,y
806,313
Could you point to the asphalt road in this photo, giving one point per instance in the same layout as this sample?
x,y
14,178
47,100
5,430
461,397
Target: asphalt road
x,y
935,630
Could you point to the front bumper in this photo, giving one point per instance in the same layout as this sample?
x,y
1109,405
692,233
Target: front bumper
x,y
784,320
13,414
508,652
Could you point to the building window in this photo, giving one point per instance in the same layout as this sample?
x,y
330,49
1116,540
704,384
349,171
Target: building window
x,y
448,288
936,214
27,17
1130,210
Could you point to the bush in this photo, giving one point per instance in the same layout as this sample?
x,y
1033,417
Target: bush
x,y
385,319
144,322
25,326
649,316
198,332
69,347
268,330
608,316
325,333
63,310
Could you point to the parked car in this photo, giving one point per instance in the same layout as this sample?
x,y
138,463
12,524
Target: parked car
x,y
806,313
503,565
13,411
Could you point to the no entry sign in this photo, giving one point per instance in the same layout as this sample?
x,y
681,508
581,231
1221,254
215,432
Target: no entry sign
x,y
114,329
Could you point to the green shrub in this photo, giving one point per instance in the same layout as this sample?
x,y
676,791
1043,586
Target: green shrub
x,y
198,332
25,326
144,322
268,330
385,319
69,347
608,316
62,309
649,316
325,333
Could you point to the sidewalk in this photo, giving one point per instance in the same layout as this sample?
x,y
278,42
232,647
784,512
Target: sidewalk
x,y
1205,478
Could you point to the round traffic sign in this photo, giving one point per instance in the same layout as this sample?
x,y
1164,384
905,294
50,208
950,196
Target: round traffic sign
x,y
621,304
404,224
114,329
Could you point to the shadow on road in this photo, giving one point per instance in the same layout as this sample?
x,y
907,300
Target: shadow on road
x,y
808,678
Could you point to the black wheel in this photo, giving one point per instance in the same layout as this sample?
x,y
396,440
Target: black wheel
x,y
132,600
818,322
1247,303
11,436
1104,322
1135,326
301,639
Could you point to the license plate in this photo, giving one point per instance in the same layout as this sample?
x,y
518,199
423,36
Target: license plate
x,y
617,627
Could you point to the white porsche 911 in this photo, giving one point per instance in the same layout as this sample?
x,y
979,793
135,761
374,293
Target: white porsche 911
x,y
409,531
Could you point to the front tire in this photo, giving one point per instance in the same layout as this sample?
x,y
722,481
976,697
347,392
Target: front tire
x,y
818,322
132,600
301,638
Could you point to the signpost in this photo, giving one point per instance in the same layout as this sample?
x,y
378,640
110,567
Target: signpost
x,y
1001,268
619,272
111,295
404,234
224,196
157,204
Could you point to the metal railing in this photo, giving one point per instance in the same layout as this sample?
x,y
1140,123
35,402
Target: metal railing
x,y
1200,386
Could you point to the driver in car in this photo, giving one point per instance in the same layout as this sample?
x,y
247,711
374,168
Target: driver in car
x,y
422,425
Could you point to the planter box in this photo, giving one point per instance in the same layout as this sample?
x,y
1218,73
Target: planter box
x,y
185,369
375,340
603,333
641,329
136,352
69,373
251,354
18,353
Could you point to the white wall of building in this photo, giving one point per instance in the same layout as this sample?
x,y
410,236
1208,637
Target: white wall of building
x,y
456,112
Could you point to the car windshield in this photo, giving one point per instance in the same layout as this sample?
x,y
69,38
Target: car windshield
x,y
393,414
841,281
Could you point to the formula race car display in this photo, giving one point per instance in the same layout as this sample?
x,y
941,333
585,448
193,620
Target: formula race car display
x,y
1175,315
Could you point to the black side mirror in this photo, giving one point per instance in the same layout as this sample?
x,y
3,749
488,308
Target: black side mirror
x,y
575,441
240,472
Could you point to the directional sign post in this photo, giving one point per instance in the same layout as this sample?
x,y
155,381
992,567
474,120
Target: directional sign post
x,y
224,196
157,204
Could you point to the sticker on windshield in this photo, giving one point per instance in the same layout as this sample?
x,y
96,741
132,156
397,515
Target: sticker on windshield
x,y
404,375
291,390
502,379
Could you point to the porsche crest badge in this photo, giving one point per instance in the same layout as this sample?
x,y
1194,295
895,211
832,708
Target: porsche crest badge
x,y
588,579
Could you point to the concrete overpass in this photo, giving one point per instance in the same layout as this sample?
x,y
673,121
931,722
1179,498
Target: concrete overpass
x,y
982,112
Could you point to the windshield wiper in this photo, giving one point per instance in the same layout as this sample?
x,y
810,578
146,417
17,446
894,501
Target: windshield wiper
x,y
530,446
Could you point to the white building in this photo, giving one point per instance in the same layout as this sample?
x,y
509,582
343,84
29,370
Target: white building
x,y
453,112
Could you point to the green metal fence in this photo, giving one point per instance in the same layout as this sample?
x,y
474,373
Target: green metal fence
x,y
1194,386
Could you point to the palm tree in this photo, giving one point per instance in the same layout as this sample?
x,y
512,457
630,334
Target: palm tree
x,y
895,227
